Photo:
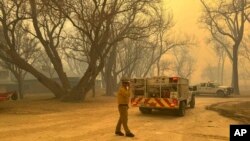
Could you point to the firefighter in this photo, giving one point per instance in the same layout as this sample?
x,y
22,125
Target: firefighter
x,y
123,101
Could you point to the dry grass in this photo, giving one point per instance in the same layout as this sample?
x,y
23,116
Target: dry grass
x,y
233,109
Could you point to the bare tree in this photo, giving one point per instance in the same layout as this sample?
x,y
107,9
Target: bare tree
x,y
165,67
129,54
244,53
222,49
160,42
162,33
47,25
44,64
221,64
184,62
228,18
12,33
221,53
103,24
76,48
121,62
122,58
99,25
209,73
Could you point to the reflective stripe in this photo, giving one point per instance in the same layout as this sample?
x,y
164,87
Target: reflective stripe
x,y
155,102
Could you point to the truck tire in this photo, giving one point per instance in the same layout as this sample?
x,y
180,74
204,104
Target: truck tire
x,y
182,108
14,96
192,102
220,93
145,110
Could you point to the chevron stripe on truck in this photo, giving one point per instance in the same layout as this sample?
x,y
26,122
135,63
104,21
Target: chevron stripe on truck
x,y
155,102
162,92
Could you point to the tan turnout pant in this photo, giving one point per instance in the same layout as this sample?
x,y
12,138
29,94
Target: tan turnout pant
x,y
123,120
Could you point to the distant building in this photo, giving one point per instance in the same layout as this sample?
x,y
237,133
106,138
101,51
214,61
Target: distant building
x,y
7,81
31,84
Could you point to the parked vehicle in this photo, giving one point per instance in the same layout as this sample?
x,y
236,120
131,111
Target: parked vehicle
x,y
162,93
212,88
8,95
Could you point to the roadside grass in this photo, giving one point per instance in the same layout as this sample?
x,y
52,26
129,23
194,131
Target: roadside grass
x,y
236,110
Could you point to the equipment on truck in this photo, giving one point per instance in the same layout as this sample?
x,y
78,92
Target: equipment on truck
x,y
162,93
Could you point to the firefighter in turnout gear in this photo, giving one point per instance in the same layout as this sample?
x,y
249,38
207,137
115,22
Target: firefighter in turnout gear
x,y
123,101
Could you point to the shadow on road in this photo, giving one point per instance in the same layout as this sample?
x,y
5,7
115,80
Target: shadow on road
x,y
162,114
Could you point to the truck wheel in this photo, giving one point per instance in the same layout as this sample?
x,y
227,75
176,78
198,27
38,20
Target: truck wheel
x,y
182,108
14,96
192,102
220,93
145,110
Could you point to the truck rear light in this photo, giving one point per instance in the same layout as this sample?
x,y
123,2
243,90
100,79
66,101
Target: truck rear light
x,y
173,79
175,102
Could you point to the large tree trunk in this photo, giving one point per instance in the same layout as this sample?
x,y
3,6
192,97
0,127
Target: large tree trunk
x,y
109,78
79,92
103,79
93,90
20,87
158,67
235,70
49,47
110,86
222,71
19,75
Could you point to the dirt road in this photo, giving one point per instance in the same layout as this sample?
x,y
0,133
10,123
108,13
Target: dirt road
x,y
95,120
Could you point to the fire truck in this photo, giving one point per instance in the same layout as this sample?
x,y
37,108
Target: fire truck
x,y
162,93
